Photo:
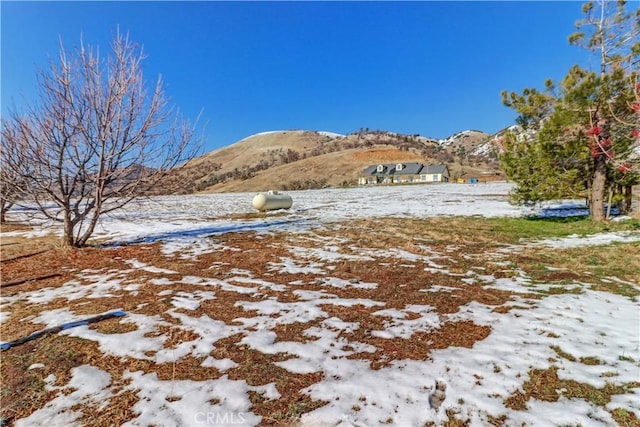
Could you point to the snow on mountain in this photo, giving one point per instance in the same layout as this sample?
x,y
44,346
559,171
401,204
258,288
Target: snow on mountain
x,y
299,131
331,134
483,149
521,133
453,138
465,136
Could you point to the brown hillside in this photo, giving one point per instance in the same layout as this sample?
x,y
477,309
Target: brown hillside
x,y
307,159
251,155
262,145
340,168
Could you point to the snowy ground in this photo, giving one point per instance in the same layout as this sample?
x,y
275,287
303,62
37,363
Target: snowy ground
x,y
160,218
480,380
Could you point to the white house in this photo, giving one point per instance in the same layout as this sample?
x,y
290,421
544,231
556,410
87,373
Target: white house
x,y
403,173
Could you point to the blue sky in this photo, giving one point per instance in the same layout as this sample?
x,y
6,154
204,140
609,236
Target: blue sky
x,y
428,68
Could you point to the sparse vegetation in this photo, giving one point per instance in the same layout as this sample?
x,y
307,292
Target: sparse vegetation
x,y
546,386
24,391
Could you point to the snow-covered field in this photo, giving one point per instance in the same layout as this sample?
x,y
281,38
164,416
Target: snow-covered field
x,y
590,325
199,215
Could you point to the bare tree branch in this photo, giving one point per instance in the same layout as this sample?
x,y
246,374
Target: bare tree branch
x,y
96,139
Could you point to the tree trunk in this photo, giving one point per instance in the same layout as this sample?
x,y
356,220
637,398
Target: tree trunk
x,y
598,187
82,241
609,202
628,198
68,239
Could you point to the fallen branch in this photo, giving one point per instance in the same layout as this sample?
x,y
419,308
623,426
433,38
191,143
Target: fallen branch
x,y
56,329
32,279
24,256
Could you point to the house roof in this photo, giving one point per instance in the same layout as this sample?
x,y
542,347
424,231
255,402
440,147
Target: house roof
x,y
434,169
411,168
370,170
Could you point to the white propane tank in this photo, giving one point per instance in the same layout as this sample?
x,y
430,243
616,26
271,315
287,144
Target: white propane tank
x,y
271,200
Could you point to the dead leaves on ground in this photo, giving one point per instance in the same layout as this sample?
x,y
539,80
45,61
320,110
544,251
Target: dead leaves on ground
x,y
400,282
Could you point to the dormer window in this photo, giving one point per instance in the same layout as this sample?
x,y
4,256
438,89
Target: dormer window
x,y
380,168
399,167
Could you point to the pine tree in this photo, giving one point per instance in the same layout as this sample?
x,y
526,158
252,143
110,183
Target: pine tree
x,y
584,131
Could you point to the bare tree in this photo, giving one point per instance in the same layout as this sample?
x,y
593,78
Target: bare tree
x,y
7,198
9,179
96,139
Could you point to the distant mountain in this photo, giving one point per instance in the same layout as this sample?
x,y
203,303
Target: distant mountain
x,y
301,159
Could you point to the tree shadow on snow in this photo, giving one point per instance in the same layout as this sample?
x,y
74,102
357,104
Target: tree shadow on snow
x,y
207,231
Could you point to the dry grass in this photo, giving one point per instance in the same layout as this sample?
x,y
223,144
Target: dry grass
x,y
14,248
463,244
607,268
546,386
